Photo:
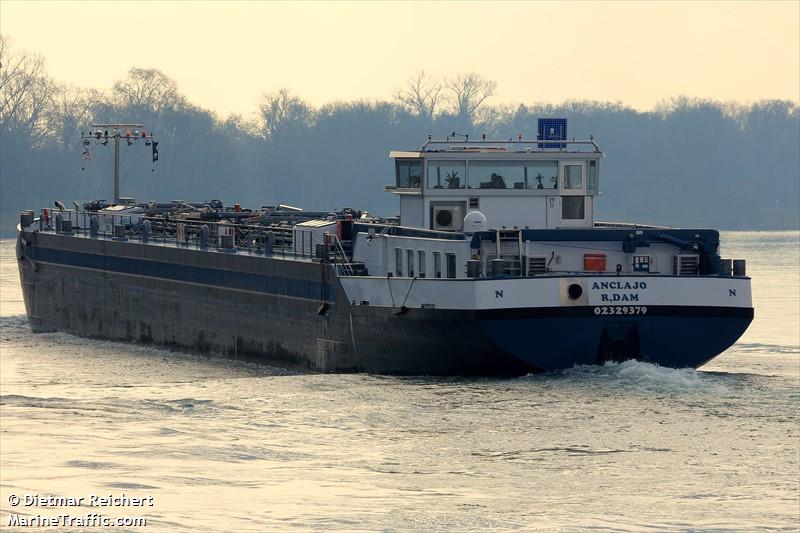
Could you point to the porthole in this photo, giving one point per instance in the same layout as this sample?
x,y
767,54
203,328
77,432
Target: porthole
x,y
574,291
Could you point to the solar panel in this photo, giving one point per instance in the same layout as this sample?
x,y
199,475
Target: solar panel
x,y
552,129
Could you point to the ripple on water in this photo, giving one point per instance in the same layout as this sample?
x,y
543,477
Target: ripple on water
x,y
759,347
33,401
92,465
130,486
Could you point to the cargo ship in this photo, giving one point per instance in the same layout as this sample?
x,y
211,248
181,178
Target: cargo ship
x,y
495,266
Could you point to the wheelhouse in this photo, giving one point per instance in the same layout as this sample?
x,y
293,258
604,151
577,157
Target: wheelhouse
x,y
514,184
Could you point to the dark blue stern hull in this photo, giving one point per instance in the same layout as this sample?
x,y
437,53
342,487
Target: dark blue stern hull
x,y
672,336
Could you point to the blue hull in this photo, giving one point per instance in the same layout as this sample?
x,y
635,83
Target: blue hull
x,y
667,336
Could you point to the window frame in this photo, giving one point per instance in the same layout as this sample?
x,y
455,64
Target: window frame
x,y
474,184
441,186
583,208
592,183
552,186
437,265
568,185
519,169
399,257
407,161
448,257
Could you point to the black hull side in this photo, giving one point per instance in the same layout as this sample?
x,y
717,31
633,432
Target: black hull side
x,y
274,310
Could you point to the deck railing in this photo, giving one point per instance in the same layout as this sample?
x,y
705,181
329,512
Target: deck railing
x,y
279,240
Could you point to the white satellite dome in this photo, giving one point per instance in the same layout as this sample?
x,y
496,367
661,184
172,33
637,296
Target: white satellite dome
x,y
474,221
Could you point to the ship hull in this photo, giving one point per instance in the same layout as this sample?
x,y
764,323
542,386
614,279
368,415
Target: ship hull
x,y
298,313
678,337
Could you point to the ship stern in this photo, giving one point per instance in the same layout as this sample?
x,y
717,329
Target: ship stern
x,y
669,321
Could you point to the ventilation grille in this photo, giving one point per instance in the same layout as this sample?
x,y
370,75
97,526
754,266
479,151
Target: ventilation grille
x,y
536,265
686,265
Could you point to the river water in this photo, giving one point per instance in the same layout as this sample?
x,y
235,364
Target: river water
x,y
229,446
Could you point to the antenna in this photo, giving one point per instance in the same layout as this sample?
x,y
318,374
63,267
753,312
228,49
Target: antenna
x,y
130,132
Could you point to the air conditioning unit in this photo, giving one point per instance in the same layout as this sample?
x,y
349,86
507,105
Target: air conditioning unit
x,y
686,265
447,218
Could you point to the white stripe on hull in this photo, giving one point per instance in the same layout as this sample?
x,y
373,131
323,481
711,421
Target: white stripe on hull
x,y
499,293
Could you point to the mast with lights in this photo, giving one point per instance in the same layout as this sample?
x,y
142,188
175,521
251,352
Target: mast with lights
x,y
102,133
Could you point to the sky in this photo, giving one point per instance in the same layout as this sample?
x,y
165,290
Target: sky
x,y
224,56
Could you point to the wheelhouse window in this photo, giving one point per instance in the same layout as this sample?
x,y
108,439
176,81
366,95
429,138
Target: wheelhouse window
x,y
410,256
541,175
421,263
451,265
447,174
398,262
591,177
409,173
573,178
497,175
573,208
437,264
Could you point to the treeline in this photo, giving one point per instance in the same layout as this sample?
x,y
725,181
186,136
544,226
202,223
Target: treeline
x,y
688,162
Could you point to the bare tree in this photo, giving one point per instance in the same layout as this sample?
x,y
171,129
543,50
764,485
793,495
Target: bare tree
x,y
421,94
495,120
468,92
149,88
283,114
25,93
239,128
72,108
